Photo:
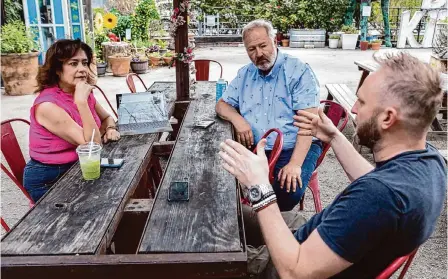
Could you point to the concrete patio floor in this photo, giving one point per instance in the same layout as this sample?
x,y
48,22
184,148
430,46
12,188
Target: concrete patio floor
x,y
330,66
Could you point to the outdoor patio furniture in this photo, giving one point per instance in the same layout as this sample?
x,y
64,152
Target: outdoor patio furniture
x,y
107,100
275,153
110,228
131,84
13,155
395,265
203,69
339,116
4,225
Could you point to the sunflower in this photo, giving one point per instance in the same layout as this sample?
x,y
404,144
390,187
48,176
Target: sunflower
x,y
99,22
110,21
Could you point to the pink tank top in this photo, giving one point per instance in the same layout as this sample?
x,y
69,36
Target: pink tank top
x,y
45,146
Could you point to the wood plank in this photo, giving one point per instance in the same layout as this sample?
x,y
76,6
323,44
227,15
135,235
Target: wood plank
x,y
78,216
341,97
208,222
139,205
204,265
367,65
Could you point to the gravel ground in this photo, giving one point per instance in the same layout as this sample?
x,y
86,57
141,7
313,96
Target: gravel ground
x,y
330,66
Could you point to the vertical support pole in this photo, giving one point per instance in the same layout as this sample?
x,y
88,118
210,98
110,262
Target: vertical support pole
x,y
182,69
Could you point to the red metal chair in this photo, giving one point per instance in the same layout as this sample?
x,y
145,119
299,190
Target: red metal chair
x,y
4,225
131,84
203,69
13,155
275,153
339,116
395,265
107,100
273,158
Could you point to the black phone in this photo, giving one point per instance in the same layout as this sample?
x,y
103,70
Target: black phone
x,y
178,191
111,163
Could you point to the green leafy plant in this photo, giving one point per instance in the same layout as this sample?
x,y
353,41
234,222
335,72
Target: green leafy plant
x,y
169,54
123,23
155,55
334,37
15,38
100,38
162,44
376,41
13,10
99,56
349,29
144,12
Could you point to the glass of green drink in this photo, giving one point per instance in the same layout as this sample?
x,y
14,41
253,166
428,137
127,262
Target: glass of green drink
x,y
90,165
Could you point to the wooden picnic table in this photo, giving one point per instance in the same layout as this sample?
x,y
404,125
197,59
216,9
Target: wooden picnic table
x,y
107,228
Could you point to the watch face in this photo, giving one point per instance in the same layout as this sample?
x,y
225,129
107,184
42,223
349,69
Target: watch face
x,y
254,194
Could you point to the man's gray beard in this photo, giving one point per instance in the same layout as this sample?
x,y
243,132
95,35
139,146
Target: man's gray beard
x,y
269,65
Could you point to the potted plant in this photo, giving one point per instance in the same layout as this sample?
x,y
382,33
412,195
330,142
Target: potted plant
x,y
155,58
163,46
350,37
376,44
364,45
285,41
19,58
333,41
100,64
120,62
168,57
139,64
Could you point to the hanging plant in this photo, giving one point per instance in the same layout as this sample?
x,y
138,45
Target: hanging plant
x,y
176,19
187,56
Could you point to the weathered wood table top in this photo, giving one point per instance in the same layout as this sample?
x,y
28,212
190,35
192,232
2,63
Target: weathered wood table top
x,y
208,222
78,216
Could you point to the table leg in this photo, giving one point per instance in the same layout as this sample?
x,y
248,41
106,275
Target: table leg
x,y
363,77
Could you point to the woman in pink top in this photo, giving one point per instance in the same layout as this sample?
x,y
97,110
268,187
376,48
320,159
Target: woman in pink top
x,y
63,116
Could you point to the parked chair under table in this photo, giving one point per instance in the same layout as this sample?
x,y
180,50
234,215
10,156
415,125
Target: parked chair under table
x,y
14,156
130,82
339,116
202,67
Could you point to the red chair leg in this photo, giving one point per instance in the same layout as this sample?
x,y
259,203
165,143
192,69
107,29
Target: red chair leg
x,y
4,225
314,187
407,265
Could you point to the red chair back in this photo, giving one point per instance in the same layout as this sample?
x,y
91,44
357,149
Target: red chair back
x,y
13,154
275,153
131,84
395,265
203,69
107,100
339,116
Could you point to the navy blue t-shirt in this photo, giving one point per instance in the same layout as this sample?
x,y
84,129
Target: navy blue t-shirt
x,y
384,214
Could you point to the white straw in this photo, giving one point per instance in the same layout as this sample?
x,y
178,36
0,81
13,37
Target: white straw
x,y
91,143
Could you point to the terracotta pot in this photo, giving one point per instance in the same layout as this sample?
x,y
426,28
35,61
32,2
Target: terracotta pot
x,y
155,61
285,43
120,65
19,73
167,60
364,45
376,46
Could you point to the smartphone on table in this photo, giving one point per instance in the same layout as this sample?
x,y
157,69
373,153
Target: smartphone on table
x,y
178,191
111,162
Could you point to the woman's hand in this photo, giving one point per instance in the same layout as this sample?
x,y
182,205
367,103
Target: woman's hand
x,y
111,135
82,92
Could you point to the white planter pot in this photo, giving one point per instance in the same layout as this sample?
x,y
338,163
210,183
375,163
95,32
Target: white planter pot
x,y
349,41
333,43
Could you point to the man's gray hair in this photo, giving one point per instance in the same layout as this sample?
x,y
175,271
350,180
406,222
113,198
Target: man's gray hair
x,y
257,24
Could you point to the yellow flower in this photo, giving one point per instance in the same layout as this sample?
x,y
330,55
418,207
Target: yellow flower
x,y
110,21
99,22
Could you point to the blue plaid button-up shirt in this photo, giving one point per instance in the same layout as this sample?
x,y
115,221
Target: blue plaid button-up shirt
x,y
271,101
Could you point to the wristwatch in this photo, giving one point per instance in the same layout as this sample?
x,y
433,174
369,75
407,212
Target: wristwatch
x,y
259,192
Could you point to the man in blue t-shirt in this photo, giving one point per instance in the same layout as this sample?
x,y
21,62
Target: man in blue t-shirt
x,y
387,211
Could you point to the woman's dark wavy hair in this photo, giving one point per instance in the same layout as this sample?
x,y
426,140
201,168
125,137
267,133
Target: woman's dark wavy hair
x,y
57,54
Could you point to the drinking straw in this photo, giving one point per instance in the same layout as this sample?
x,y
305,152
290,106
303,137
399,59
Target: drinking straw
x,y
91,143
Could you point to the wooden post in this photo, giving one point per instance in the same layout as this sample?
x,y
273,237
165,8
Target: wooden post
x,y
182,69
89,14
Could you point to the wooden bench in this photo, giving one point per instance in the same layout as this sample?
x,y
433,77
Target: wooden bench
x,y
344,96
